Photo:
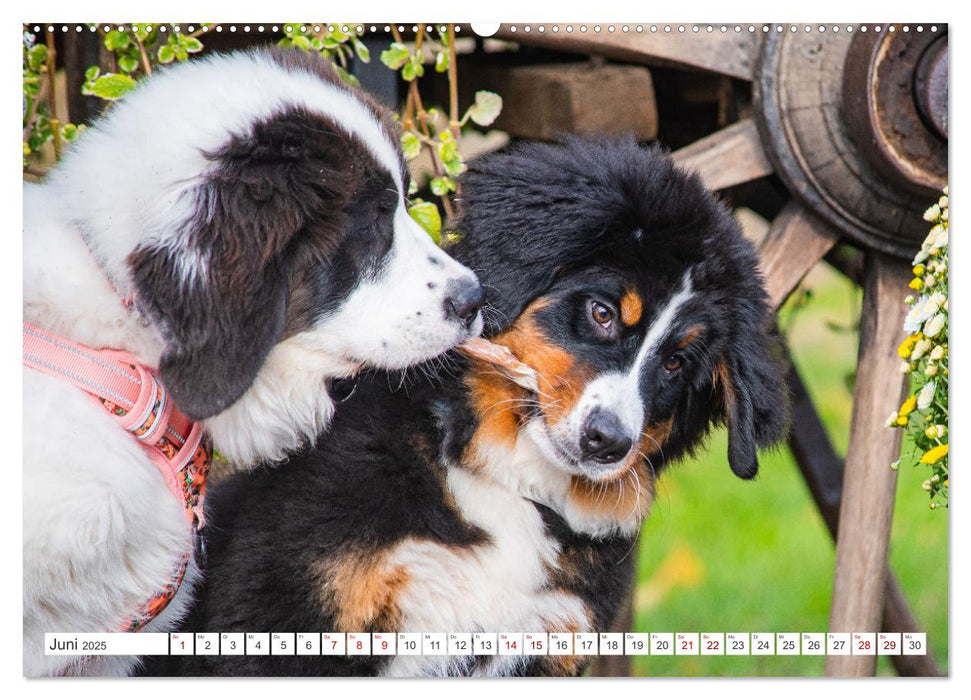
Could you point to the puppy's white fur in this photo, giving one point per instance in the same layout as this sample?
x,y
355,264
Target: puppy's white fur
x,y
101,531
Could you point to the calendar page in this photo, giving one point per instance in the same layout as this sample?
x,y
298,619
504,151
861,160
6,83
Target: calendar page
x,y
609,348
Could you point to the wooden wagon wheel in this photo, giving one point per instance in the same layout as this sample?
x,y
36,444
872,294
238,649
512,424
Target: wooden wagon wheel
x,y
854,122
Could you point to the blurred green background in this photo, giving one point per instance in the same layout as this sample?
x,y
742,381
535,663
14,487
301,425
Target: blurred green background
x,y
722,555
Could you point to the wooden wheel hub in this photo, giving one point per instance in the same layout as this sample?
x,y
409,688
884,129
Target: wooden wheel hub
x,y
856,126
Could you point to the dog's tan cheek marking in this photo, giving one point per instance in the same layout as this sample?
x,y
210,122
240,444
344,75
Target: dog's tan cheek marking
x,y
631,308
497,400
629,495
362,591
561,378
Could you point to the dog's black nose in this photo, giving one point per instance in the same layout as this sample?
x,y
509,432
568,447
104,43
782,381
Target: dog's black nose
x,y
463,299
603,438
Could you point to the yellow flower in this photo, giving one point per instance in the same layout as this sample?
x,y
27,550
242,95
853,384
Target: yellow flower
x,y
916,283
931,432
907,346
901,420
918,270
909,405
933,455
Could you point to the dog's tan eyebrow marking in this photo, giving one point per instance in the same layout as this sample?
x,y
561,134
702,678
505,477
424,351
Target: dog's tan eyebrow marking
x,y
631,308
691,335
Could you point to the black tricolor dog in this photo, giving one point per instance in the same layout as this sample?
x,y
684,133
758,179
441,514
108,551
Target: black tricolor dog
x,y
473,504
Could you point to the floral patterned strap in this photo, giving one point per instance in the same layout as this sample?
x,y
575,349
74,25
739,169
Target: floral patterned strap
x,y
135,396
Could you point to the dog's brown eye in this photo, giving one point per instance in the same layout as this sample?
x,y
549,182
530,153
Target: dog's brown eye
x,y
673,363
601,314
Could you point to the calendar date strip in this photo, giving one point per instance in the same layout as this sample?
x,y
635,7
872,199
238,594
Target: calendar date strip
x,y
488,644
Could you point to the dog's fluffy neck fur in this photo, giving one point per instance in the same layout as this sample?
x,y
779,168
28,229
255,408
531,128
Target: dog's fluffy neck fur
x,y
276,414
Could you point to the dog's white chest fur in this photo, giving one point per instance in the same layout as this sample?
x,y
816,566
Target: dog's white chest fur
x,y
494,587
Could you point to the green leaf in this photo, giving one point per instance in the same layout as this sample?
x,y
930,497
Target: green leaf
x,y
92,73
181,54
395,56
487,107
441,62
330,42
347,77
111,86
448,149
361,49
166,54
36,57
128,64
427,216
69,132
191,44
411,145
115,40
301,42
455,167
441,186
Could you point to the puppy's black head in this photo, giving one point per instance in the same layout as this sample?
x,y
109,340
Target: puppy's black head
x,y
294,226
630,289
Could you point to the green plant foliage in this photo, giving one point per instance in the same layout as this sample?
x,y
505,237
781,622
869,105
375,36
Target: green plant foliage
x,y
427,216
486,108
39,127
337,43
137,49
111,86
925,355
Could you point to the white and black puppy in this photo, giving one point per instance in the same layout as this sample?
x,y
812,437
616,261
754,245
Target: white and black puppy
x,y
252,207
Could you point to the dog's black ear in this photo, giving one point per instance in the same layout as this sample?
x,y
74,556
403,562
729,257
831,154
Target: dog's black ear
x,y
216,285
754,400
219,301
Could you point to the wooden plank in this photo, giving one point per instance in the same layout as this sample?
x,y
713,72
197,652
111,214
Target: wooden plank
x,y
795,242
822,469
866,511
545,100
728,157
731,54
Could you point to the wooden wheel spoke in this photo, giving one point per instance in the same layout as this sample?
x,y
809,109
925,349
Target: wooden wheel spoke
x,y
794,244
866,510
731,156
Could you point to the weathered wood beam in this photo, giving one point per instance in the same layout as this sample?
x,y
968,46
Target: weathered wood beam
x,y
822,469
731,156
731,54
866,511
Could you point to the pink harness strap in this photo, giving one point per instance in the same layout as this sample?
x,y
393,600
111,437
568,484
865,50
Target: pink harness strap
x,y
137,399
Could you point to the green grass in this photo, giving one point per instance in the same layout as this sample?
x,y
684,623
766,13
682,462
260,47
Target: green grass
x,y
722,555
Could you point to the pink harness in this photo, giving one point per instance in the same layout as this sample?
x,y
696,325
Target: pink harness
x,y
137,399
